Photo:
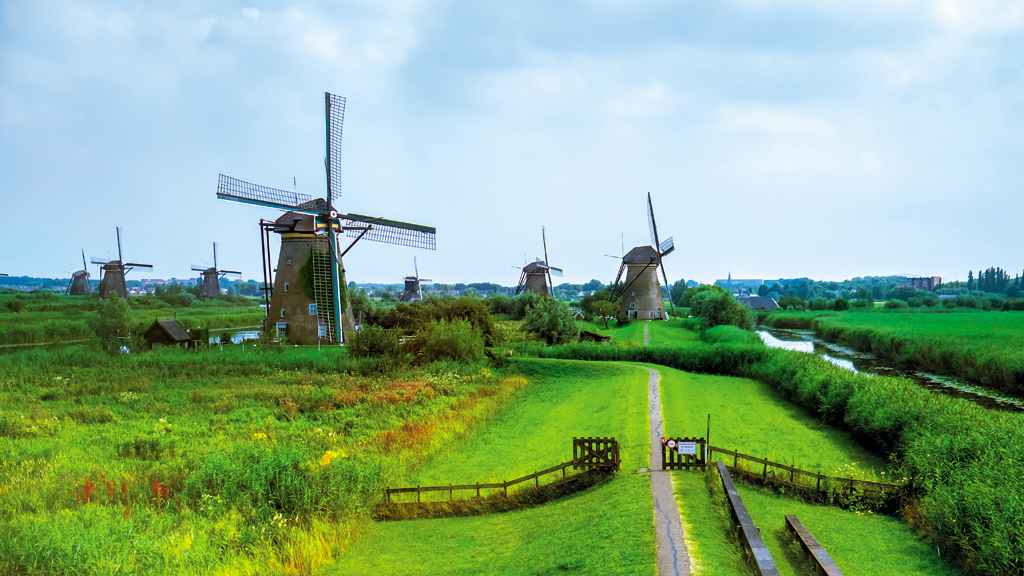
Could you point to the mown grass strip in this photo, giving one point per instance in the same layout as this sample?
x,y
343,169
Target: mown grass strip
x,y
605,530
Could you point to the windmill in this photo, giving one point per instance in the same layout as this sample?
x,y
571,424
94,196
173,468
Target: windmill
x,y
306,302
639,293
536,276
211,277
112,273
79,284
412,285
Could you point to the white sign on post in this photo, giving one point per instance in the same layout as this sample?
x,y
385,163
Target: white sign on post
x,y
687,448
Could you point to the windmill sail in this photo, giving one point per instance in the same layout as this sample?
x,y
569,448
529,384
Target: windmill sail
x,y
229,188
390,231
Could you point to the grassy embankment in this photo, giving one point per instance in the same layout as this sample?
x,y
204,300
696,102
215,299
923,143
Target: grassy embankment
x,y
607,529
39,318
985,348
747,415
177,462
958,456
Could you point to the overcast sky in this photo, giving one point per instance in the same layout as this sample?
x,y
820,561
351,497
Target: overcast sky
x,y
828,139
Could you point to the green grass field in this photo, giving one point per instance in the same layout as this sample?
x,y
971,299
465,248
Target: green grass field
x,y
985,348
604,530
750,417
178,462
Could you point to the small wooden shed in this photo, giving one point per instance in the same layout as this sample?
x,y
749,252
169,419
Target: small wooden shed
x,y
168,333
587,336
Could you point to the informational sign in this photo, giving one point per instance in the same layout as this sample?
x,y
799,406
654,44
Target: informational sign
x,y
687,447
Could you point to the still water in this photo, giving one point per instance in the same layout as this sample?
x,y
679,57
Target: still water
x,y
846,358
237,335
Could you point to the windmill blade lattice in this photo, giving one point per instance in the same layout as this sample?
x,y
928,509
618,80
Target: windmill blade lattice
x,y
335,121
390,231
229,188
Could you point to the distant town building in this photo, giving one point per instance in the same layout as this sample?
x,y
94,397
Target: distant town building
x,y
759,302
928,283
735,284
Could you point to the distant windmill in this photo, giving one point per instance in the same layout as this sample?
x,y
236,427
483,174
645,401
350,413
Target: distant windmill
x,y
412,285
306,298
639,293
79,284
536,276
113,272
2,274
211,277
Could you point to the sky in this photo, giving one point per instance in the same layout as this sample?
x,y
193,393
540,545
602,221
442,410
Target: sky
x,y
827,139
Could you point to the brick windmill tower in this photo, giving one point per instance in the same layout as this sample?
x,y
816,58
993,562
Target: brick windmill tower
x,y
309,301
211,277
112,273
636,285
536,276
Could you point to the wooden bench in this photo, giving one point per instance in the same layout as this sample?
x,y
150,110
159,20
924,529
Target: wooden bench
x,y
749,535
823,564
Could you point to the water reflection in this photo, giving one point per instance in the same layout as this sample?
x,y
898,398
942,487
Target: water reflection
x,y
848,359
237,335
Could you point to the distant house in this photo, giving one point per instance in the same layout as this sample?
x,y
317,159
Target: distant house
x,y
735,284
168,333
759,302
921,282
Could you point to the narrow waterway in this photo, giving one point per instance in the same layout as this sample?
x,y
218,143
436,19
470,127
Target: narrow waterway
x,y
846,358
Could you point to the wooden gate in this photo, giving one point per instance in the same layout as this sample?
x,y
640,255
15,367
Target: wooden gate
x,y
596,453
683,453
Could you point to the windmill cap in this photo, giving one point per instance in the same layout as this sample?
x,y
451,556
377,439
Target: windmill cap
x,y
534,267
305,222
641,255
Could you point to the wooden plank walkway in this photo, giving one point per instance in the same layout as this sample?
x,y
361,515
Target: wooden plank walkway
x,y
749,534
821,561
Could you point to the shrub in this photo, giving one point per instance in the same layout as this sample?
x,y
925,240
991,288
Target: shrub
x,y
551,320
863,303
895,304
110,324
374,341
447,340
841,304
914,302
718,307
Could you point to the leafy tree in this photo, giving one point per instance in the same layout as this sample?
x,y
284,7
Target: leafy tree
x,y
718,307
551,320
841,304
678,289
686,301
594,284
605,309
763,290
110,324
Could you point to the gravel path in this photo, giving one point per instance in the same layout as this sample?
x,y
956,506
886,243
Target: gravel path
x,y
673,559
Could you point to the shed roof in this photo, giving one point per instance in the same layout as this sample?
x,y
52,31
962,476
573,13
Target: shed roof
x,y
171,327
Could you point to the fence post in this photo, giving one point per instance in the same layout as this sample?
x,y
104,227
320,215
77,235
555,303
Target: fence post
x,y
417,493
736,458
477,489
764,473
450,492
504,486
536,479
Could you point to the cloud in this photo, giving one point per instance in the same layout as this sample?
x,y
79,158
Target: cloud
x,y
252,13
775,121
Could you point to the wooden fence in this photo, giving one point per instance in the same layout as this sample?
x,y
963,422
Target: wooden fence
x,y
825,485
755,549
683,453
589,454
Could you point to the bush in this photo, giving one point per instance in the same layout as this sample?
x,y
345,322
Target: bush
x,y
841,304
551,320
374,341
817,304
110,324
895,305
447,340
717,308
863,303
914,302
